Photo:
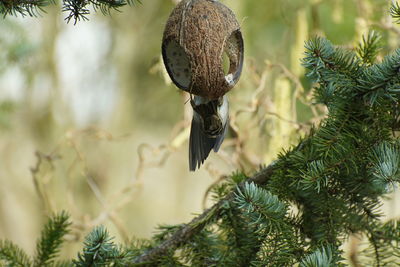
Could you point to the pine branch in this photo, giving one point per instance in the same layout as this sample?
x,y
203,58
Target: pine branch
x,y
79,9
264,209
383,248
386,158
369,48
276,241
51,239
202,249
395,11
324,256
237,232
99,250
63,264
30,8
76,10
187,231
12,255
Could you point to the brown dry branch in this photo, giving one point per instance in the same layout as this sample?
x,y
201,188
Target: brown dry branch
x,y
198,223
38,182
110,210
299,94
41,178
386,25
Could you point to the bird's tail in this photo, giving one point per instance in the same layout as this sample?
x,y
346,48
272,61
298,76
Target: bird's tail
x,y
200,144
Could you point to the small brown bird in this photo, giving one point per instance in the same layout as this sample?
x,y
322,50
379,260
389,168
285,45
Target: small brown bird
x,y
209,125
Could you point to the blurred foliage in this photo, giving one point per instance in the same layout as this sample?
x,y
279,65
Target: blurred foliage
x,y
77,9
6,110
109,168
47,247
23,7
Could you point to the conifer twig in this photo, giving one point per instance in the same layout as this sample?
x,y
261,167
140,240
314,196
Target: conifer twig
x,y
197,224
21,2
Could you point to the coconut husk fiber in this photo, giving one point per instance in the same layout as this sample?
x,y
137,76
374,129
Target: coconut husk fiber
x,y
196,36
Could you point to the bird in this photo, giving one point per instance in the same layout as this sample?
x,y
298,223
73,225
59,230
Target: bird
x,y
209,125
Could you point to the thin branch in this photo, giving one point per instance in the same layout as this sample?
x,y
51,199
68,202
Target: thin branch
x,y
76,9
199,222
21,2
376,248
23,7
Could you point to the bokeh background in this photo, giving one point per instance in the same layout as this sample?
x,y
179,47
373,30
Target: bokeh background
x,y
91,124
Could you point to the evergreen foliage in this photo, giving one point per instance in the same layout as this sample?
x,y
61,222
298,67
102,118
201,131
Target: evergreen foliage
x,y
76,9
395,11
321,257
301,208
51,239
369,48
47,247
99,250
12,255
24,7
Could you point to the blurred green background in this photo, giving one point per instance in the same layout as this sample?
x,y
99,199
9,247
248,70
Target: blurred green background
x,y
90,123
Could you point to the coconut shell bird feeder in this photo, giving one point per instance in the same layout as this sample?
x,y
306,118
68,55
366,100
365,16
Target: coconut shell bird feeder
x,y
202,48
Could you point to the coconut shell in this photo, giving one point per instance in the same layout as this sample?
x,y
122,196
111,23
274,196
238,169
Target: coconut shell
x,y
197,35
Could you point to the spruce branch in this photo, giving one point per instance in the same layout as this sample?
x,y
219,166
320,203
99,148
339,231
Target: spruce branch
x,y
76,10
192,228
324,256
264,208
79,9
395,11
386,158
202,249
241,244
99,250
275,241
51,239
65,263
384,244
332,172
12,255
369,48
30,8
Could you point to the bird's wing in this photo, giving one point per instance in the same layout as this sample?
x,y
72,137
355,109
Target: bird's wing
x,y
220,138
200,144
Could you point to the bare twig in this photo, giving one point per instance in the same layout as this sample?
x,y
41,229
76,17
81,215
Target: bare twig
x,y
198,223
39,181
